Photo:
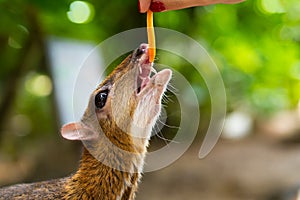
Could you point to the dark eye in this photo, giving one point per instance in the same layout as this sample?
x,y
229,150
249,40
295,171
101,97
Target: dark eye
x,y
100,99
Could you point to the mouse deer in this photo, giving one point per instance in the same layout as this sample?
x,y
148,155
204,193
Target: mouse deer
x,y
115,130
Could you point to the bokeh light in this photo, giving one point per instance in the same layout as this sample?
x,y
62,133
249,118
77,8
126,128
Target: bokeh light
x,y
293,10
39,85
272,6
18,36
80,12
237,125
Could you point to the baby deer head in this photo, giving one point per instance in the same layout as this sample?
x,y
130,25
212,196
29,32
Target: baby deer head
x,y
123,109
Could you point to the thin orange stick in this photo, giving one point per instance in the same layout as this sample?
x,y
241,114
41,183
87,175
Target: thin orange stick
x,y
151,36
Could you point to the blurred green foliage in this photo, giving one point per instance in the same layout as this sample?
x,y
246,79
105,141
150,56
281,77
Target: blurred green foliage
x,y
255,45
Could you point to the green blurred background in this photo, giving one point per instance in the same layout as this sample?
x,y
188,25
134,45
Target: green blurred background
x,y
255,45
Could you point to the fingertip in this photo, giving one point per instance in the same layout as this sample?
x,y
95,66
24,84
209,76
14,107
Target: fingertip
x,y
144,5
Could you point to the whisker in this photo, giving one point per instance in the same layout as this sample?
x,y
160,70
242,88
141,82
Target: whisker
x,y
166,99
159,133
172,89
165,139
169,126
161,137
153,70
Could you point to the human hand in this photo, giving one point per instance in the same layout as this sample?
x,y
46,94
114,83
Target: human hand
x,y
164,5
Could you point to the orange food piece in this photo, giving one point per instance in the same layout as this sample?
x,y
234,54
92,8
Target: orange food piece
x,y
151,36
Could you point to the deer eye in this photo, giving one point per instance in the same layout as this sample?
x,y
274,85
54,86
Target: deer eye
x,y
100,99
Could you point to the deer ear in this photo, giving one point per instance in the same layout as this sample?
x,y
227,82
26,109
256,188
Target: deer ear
x,y
78,131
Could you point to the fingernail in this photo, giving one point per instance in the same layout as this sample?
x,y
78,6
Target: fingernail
x,y
157,6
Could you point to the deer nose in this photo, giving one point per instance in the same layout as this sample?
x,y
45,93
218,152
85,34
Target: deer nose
x,y
141,50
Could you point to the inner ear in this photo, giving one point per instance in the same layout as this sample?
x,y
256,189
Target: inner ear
x,y
78,131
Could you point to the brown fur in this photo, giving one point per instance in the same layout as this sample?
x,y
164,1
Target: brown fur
x,y
53,189
111,163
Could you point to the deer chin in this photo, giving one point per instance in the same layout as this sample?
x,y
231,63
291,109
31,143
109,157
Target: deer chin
x,y
149,104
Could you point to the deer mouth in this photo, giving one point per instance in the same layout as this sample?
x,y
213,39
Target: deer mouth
x,y
144,68
144,80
